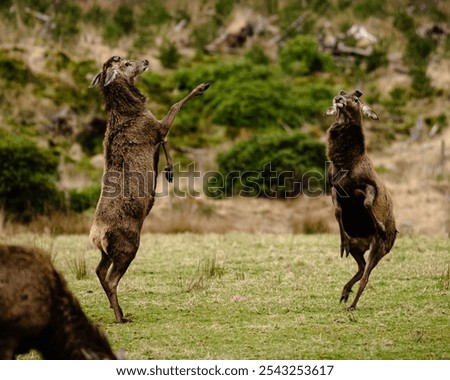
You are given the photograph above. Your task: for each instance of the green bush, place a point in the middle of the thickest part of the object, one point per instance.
(301, 56)
(154, 13)
(418, 50)
(124, 18)
(276, 165)
(312, 99)
(244, 95)
(224, 7)
(421, 83)
(121, 24)
(257, 103)
(168, 55)
(111, 33)
(27, 179)
(67, 16)
(203, 34)
(270, 7)
(377, 59)
(398, 98)
(366, 8)
(256, 55)
(404, 22)
(95, 15)
(343, 4)
(13, 71)
(417, 55)
(81, 200)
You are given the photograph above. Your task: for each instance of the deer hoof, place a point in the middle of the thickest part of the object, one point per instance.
(201, 88)
(168, 173)
(345, 247)
(124, 320)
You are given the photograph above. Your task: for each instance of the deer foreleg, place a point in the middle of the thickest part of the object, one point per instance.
(167, 121)
(369, 197)
(168, 171)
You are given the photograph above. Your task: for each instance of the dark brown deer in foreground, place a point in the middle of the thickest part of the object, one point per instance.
(131, 150)
(362, 203)
(37, 311)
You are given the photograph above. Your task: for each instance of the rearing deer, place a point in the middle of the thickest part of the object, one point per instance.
(362, 203)
(131, 150)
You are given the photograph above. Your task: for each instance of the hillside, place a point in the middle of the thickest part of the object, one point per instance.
(274, 66)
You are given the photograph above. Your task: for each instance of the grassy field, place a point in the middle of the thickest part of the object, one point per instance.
(248, 296)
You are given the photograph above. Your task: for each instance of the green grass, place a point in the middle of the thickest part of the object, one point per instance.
(266, 297)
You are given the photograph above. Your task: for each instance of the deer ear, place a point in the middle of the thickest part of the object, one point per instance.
(369, 113)
(330, 112)
(111, 74)
(96, 80)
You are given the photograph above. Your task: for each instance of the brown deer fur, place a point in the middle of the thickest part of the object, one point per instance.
(362, 203)
(39, 312)
(131, 150)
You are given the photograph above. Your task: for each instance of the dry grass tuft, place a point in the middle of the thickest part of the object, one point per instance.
(77, 266)
(207, 269)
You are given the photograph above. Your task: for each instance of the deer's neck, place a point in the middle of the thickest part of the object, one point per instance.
(346, 145)
(123, 100)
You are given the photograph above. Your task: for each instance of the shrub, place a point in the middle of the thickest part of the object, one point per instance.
(154, 13)
(367, 8)
(421, 83)
(404, 22)
(377, 59)
(27, 179)
(397, 100)
(301, 56)
(168, 55)
(257, 103)
(275, 165)
(67, 15)
(95, 15)
(224, 7)
(80, 200)
(13, 71)
(124, 18)
(203, 34)
(343, 5)
(418, 50)
(257, 56)
(270, 7)
(244, 95)
(311, 99)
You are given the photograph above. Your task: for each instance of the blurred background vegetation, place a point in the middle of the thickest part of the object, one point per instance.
(274, 65)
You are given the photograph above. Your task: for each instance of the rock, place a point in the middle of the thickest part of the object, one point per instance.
(98, 161)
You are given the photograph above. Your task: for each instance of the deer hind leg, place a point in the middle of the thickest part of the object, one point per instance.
(167, 121)
(375, 255)
(369, 197)
(358, 255)
(102, 271)
(117, 271)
